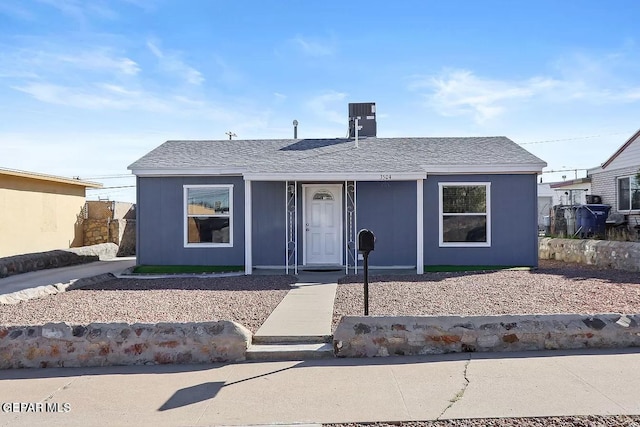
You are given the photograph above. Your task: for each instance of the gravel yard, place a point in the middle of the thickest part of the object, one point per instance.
(555, 287)
(247, 300)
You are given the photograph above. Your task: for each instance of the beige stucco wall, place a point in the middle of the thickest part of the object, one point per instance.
(38, 215)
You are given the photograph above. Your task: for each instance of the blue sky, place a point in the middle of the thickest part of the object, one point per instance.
(87, 87)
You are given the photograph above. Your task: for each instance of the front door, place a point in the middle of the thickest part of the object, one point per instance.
(322, 224)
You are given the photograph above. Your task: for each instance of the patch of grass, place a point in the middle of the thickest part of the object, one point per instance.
(459, 268)
(186, 269)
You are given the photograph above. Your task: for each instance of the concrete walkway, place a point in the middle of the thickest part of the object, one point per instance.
(34, 279)
(471, 385)
(305, 312)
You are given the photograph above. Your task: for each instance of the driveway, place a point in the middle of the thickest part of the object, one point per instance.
(52, 276)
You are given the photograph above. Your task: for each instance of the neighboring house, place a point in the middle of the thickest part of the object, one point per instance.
(291, 203)
(39, 212)
(573, 192)
(615, 181)
(545, 203)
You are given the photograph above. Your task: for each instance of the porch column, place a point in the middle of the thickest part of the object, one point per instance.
(248, 263)
(420, 226)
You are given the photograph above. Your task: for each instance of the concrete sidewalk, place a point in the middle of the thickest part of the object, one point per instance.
(52, 276)
(306, 310)
(470, 385)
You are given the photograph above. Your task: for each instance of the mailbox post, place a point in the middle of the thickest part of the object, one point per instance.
(366, 243)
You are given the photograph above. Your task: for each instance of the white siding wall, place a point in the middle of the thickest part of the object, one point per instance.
(605, 184)
(630, 157)
(576, 191)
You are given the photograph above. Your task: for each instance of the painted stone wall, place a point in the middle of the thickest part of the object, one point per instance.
(601, 253)
(63, 345)
(375, 336)
(111, 222)
(53, 259)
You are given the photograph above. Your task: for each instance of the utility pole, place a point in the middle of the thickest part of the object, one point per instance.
(231, 135)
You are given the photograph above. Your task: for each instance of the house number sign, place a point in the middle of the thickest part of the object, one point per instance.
(385, 177)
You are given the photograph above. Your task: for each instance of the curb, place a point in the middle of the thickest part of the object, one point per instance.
(43, 291)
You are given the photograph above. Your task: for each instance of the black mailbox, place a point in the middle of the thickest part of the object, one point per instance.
(366, 240)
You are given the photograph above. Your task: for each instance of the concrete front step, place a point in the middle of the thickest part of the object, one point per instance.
(289, 351)
(293, 339)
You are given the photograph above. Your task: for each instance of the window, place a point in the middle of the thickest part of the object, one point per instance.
(628, 193)
(323, 195)
(208, 215)
(465, 214)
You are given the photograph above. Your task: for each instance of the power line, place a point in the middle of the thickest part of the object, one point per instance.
(109, 188)
(566, 170)
(109, 176)
(574, 139)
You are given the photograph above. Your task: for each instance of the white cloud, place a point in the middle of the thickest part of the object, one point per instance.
(94, 97)
(314, 47)
(171, 62)
(579, 78)
(81, 10)
(100, 60)
(65, 62)
(329, 106)
(15, 9)
(461, 92)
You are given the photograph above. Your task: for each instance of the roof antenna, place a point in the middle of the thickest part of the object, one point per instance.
(230, 134)
(295, 129)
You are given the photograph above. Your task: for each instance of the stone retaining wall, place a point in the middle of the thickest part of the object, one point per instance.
(96, 344)
(122, 232)
(59, 258)
(601, 253)
(372, 336)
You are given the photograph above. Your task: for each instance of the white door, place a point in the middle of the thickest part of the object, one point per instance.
(322, 224)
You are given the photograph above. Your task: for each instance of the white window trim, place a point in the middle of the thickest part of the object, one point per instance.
(627, 211)
(185, 190)
(441, 241)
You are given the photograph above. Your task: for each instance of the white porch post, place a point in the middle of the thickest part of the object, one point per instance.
(248, 263)
(420, 226)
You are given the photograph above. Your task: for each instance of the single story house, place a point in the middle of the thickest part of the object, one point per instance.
(615, 180)
(299, 203)
(40, 212)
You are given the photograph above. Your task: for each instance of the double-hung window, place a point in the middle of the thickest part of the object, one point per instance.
(208, 211)
(465, 214)
(628, 193)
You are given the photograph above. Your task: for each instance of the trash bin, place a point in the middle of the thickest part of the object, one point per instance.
(591, 220)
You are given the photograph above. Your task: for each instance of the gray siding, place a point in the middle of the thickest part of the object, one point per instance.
(388, 209)
(268, 234)
(514, 239)
(161, 223)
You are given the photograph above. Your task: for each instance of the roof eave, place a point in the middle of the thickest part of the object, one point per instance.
(335, 176)
(621, 149)
(486, 169)
(50, 178)
(158, 172)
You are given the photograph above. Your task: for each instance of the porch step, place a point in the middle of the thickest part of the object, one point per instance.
(289, 351)
(293, 339)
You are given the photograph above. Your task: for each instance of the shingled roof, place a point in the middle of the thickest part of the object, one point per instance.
(339, 156)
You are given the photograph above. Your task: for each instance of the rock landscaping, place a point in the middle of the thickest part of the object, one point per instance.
(63, 345)
(556, 306)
